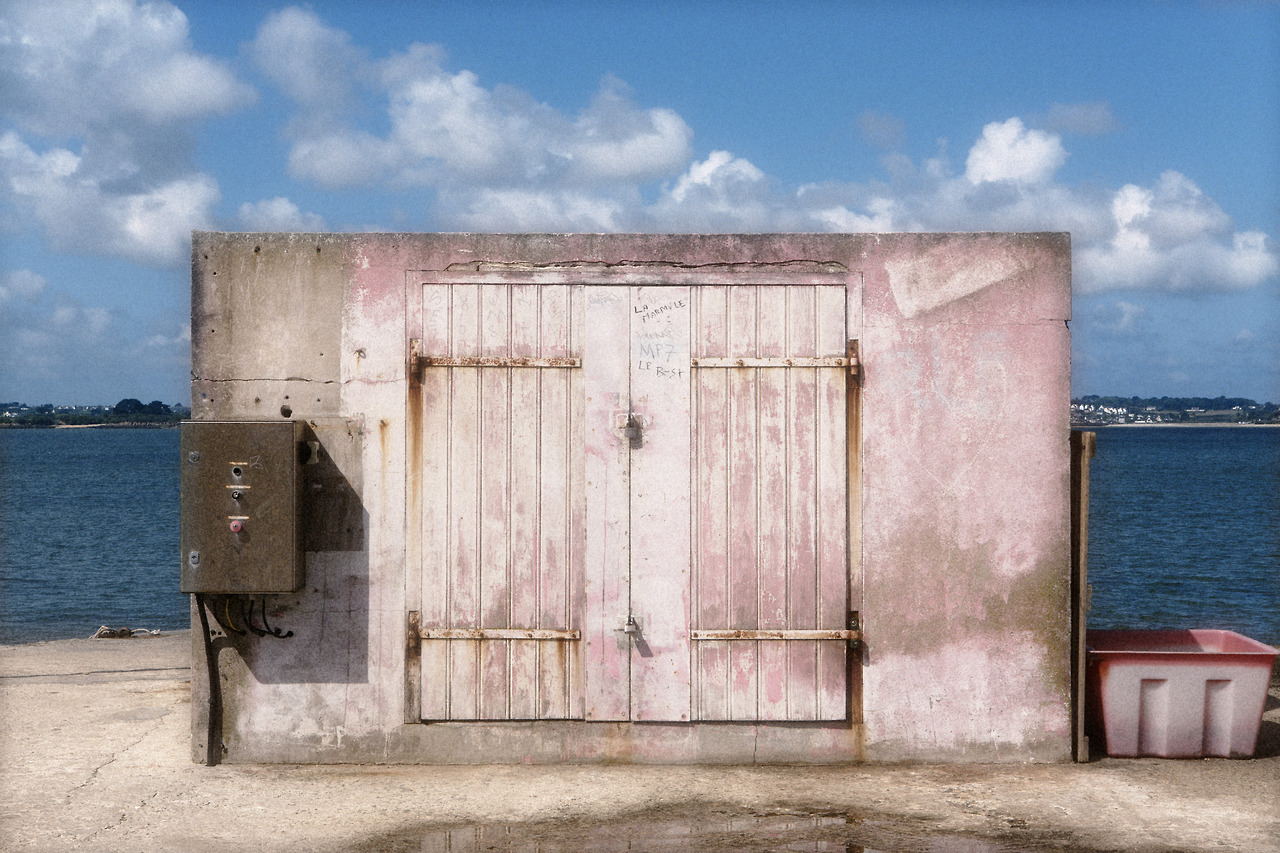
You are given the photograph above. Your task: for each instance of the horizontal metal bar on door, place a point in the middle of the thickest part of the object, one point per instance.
(772, 634)
(496, 361)
(820, 361)
(497, 634)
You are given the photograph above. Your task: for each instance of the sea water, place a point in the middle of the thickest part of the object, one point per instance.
(1184, 531)
(88, 532)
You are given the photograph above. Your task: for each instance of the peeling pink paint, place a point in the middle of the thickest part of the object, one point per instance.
(690, 507)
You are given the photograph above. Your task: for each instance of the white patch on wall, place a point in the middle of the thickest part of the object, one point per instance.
(931, 279)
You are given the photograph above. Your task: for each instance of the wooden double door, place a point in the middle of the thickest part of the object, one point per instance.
(632, 501)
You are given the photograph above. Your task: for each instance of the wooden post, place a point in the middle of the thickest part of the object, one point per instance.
(1083, 446)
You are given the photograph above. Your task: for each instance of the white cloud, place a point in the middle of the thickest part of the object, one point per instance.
(50, 334)
(932, 197)
(313, 64)
(724, 193)
(452, 124)
(75, 66)
(119, 179)
(50, 339)
(340, 159)
(721, 175)
(1179, 211)
(157, 224)
(102, 97)
(448, 130)
(182, 338)
(1125, 317)
(612, 141)
(77, 213)
(278, 214)
(1168, 236)
(1173, 237)
(21, 284)
(495, 158)
(879, 217)
(1008, 151)
(88, 322)
(514, 210)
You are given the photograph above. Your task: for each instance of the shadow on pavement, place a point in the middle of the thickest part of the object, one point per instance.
(704, 829)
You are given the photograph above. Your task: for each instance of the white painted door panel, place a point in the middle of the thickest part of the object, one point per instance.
(503, 503)
(659, 481)
(608, 511)
(769, 506)
(660, 503)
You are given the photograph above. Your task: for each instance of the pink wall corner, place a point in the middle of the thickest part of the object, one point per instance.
(968, 278)
(966, 505)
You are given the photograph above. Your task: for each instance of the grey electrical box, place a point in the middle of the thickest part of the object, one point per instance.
(240, 494)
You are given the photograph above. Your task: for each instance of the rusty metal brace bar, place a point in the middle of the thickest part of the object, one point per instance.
(498, 634)
(774, 634)
(495, 361)
(792, 361)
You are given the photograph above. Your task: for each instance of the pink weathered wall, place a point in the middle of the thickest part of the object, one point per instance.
(961, 562)
(965, 472)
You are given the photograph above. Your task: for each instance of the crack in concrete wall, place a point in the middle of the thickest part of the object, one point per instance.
(794, 264)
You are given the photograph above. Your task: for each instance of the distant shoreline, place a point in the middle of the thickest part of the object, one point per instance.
(104, 425)
(1173, 426)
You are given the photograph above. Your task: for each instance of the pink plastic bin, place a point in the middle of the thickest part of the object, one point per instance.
(1178, 694)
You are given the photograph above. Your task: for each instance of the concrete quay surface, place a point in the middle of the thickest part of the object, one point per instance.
(94, 756)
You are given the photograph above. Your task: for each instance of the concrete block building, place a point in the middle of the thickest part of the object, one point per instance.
(790, 498)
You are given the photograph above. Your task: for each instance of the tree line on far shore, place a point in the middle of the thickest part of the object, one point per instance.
(1175, 404)
(128, 411)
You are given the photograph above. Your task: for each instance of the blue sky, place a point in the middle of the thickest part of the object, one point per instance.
(1151, 131)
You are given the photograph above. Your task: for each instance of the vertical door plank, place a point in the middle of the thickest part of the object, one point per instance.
(464, 505)
(525, 474)
(605, 376)
(551, 432)
(710, 462)
(743, 506)
(771, 466)
(495, 492)
(434, 441)
(802, 536)
(833, 488)
(575, 532)
(660, 503)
